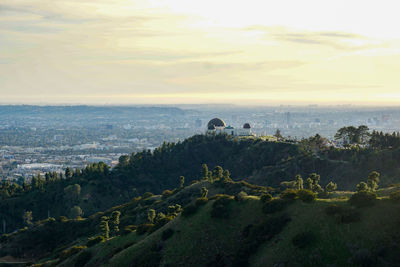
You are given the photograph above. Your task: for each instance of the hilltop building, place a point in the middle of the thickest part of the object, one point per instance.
(218, 126)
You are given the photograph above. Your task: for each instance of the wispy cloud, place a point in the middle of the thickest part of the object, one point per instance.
(337, 40)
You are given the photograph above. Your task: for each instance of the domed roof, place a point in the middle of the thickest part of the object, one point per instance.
(217, 122)
(246, 126)
(211, 127)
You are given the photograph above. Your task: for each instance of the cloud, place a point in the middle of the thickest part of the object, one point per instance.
(337, 40)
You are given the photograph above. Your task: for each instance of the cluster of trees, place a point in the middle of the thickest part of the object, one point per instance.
(361, 136)
(311, 183)
(112, 221)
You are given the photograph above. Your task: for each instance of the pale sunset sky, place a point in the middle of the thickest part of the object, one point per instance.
(182, 51)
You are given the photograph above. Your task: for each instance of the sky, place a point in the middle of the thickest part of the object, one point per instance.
(179, 51)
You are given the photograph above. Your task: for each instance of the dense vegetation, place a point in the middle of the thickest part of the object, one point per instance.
(268, 163)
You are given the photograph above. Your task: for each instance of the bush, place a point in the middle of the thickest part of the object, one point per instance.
(363, 199)
(95, 240)
(220, 208)
(144, 228)
(289, 194)
(305, 239)
(166, 234)
(166, 194)
(275, 206)
(266, 197)
(83, 258)
(189, 210)
(240, 196)
(306, 195)
(201, 201)
(147, 195)
(395, 196)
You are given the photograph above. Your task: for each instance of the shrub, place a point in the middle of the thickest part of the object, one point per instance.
(201, 201)
(275, 206)
(166, 194)
(166, 234)
(289, 194)
(306, 195)
(147, 195)
(363, 199)
(83, 258)
(144, 228)
(305, 239)
(220, 208)
(240, 196)
(395, 196)
(95, 240)
(266, 197)
(219, 196)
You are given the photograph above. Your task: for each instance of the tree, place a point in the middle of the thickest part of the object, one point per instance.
(298, 182)
(68, 173)
(27, 217)
(115, 220)
(226, 176)
(204, 192)
(151, 215)
(72, 192)
(217, 173)
(204, 172)
(373, 180)
(75, 212)
(309, 183)
(105, 229)
(330, 187)
(181, 181)
(123, 161)
(278, 134)
(362, 187)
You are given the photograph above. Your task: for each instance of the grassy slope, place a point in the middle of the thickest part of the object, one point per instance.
(200, 240)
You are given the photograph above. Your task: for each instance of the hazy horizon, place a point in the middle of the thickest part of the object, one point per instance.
(178, 52)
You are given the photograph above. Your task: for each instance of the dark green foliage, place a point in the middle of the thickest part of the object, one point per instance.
(275, 205)
(144, 228)
(83, 258)
(129, 229)
(289, 194)
(266, 197)
(115, 221)
(104, 227)
(166, 193)
(363, 199)
(256, 235)
(305, 239)
(167, 233)
(220, 207)
(95, 240)
(240, 196)
(306, 195)
(201, 201)
(395, 196)
(147, 195)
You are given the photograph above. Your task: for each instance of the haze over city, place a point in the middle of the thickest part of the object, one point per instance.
(169, 52)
